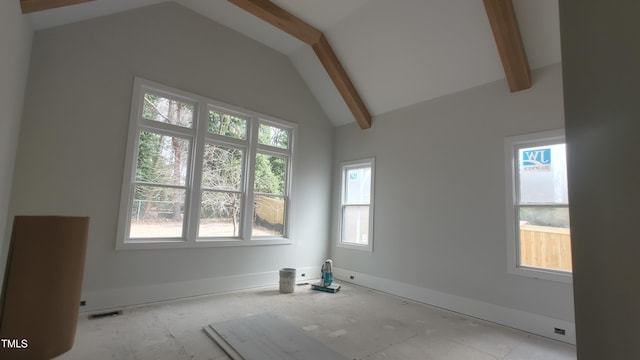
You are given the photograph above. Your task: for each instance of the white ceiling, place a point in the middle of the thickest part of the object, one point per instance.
(397, 53)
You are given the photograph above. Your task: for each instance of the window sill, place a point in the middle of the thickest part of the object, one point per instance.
(149, 244)
(355, 246)
(542, 274)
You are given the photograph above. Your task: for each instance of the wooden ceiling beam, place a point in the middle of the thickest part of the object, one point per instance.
(341, 80)
(506, 33)
(29, 6)
(292, 25)
(280, 18)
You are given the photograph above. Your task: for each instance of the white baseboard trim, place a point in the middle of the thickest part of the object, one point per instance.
(138, 295)
(521, 320)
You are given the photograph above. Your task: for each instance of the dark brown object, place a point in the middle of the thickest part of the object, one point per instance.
(42, 288)
(29, 6)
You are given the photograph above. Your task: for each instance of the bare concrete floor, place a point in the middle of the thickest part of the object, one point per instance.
(356, 322)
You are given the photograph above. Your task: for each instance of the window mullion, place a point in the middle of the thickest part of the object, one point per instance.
(195, 194)
(250, 178)
(270, 150)
(164, 129)
(537, 205)
(168, 186)
(515, 162)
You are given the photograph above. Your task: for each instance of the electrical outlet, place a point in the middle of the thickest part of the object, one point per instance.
(303, 275)
(352, 277)
(559, 331)
(83, 302)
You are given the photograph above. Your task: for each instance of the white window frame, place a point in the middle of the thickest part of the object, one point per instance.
(511, 146)
(198, 135)
(344, 167)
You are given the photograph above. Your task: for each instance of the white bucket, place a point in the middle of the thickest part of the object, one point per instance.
(287, 280)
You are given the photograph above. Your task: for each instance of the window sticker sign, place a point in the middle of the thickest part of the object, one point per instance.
(538, 160)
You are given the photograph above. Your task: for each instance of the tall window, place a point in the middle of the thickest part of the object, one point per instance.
(203, 173)
(539, 238)
(356, 222)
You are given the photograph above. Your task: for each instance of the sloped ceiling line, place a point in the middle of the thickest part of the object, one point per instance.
(289, 23)
(538, 26)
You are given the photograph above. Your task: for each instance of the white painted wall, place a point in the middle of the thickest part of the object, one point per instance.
(15, 41)
(601, 53)
(72, 145)
(440, 192)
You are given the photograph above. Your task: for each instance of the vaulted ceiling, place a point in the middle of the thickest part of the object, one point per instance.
(395, 53)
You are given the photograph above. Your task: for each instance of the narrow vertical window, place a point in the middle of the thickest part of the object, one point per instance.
(161, 168)
(538, 206)
(356, 222)
(271, 193)
(221, 197)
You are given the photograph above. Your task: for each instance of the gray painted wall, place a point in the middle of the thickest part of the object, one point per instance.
(601, 53)
(440, 193)
(440, 221)
(15, 41)
(72, 143)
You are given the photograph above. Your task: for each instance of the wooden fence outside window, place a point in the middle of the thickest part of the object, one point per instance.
(545, 247)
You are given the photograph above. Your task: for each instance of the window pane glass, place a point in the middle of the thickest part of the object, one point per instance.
(162, 159)
(170, 111)
(358, 186)
(220, 214)
(222, 167)
(544, 216)
(157, 212)
(545, 239)
(268, 216)
(543, 175)
(227, 125)
(273, 136)
(270, 174)
(355, 222)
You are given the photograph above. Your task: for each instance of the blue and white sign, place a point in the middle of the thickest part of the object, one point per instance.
(536, 160)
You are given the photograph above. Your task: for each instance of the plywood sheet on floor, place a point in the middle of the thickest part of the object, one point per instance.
(265, 337)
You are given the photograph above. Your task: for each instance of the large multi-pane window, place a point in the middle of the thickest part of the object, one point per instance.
(202, 173)
(538, 206)
(356, 221)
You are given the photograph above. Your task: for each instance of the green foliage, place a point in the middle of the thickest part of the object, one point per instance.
(163, 160)
(150, 112)
(270, 174)
(271, 170)
(543, 216)
(227, 125)
(273, 136)
(170, 111)
(148, 149)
